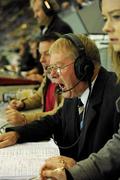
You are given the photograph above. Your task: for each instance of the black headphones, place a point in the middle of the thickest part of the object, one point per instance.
(50, 7)
(83, 67)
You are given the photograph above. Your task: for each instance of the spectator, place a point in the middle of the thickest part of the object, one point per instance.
(46, 13)
(26, 61)
(37, 72)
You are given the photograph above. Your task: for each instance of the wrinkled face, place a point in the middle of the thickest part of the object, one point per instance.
(39, 13)
(62, 73)
(111, 15)
(44, 47)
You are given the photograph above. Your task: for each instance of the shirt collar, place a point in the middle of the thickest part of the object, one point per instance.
(44, 29)
(84, 96)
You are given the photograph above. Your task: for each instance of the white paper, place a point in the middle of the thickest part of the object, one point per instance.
(2, 115)
(25, 160)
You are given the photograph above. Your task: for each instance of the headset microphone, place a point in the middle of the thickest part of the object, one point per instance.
(60, 91)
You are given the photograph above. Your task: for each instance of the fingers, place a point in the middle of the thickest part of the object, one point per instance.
(53, 163)
(13, 104)
(54, 167)
(58, 174)
(59, 161)
(4, 144)
(11, 114)
(14, 117)
(35, 77)
(8, 139)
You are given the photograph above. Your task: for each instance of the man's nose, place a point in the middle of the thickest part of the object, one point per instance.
(54, 74)
(42, 59)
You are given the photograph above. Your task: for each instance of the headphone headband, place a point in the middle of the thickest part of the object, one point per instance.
(83, 67)
(76, 42)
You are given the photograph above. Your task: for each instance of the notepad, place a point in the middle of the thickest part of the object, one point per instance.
(25, 160)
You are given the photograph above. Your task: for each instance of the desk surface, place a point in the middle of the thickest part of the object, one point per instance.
(16, 81)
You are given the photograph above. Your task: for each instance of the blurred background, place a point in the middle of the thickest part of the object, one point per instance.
(16, 21)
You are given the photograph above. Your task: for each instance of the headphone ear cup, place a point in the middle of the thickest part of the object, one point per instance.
(84, 69)
(50, 7)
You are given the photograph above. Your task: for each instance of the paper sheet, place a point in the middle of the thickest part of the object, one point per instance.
(25, 160)
(2, 114)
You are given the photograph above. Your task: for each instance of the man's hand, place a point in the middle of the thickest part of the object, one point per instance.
(8, 139)
(55, 167)
(15, 117)
(35, 77)
(16, 104)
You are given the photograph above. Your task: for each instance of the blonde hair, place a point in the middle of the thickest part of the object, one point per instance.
(64, 45)
(115, 61)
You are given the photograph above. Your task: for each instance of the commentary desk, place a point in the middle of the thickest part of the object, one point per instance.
(23, 161)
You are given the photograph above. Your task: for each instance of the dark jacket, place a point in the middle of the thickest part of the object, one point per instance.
(101, 121)
(103, 165)
(58, 25)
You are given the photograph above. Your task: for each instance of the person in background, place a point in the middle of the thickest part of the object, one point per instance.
(78, 128)
(37, 72)
(3, 61)
(26, 60)
(46, 13)
(65, 4)
(45, 97)
(105, 164)
(78, 4)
